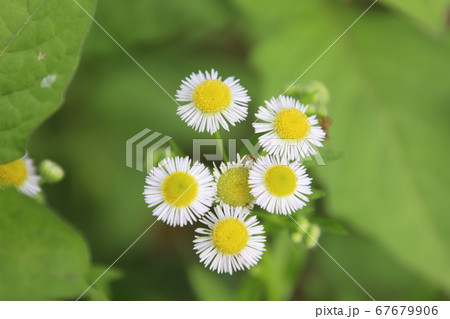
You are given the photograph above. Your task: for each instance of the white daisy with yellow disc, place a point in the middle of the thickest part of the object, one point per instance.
(279, 186)
(20, 174)
(211, 102)
(232, 240)
(232, 182)
(179, 192)
(289, 133)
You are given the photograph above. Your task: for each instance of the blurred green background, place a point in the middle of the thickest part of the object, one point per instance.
(389, 80)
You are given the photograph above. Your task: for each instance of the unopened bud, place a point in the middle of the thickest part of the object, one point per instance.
(314, 92)
(303, 223)
(297, 237)
(313, 238)
(50, 172)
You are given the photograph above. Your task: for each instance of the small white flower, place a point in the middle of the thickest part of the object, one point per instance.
(211, 102)
(180, 193)
(289, 133)
(231, 241)
(21, 174)
(278, 185)
(232, 182)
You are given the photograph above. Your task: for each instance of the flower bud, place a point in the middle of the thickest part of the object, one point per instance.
(50, 172)
(313, 238)
(297, 237)
(314, 94)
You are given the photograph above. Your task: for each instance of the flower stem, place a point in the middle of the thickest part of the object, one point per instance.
(222, 148)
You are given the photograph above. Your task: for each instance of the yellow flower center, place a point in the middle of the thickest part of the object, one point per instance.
(180, 189)
(233, 188)
(292, 123)
(212, 96)
(13, 173)
(280, 180)
(230, 236)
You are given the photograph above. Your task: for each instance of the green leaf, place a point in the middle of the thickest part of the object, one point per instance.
(430, 14)
(281, 266)
(274, 222)
(329, 225)
(39, 48)
(101, 291)
(209, 285)
(316, 194)
(251, 289)
(389, 84)
(41, 257)
(371, 265)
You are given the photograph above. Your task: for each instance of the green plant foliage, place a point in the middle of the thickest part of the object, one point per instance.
(380, 273)
(316, 194)
(431, 14)
(329, 225)
(39, 49)
(41, 257)
(157, 21)
(274, 278)
(208, 285)
(281, 266)
(101, 291)
(390, 111)
(385, 177)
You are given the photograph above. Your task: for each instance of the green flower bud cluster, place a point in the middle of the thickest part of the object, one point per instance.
(306, 228)
(314, 94)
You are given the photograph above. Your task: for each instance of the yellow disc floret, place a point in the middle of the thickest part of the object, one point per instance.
(230, 236)
(291, 123)
(13, 173)
(280, 180)
(180, 189)
(233, 188)
(212, 96)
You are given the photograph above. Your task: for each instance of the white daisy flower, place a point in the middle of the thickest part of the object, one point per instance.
(289, 132)
(212, 102)
(232, 182)
(279, 186)
(179, 191)
(21, 174)
(231, 241)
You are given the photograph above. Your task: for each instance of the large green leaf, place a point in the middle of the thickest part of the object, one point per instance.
(39, 48)
(431, 14)
(389, 86)
(41, 257)
(376, 270)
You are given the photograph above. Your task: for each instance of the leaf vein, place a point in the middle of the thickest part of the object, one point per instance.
(30, 16)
